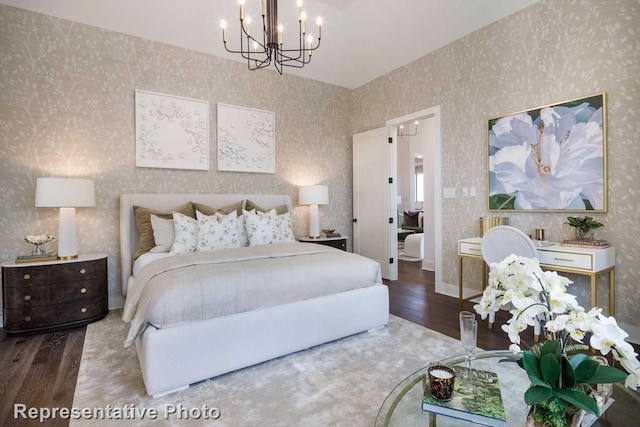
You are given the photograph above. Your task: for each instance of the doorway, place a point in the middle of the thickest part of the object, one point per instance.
(426, 143)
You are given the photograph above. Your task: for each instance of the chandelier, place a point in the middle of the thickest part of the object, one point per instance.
(261, 47)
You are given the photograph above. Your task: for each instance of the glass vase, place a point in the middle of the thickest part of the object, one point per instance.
(582, 234)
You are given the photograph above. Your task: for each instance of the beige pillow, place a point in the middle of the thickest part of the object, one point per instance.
(225, 210)
(146, 242)
(280, 210)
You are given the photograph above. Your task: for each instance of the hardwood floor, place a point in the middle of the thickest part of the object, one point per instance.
(41, 371)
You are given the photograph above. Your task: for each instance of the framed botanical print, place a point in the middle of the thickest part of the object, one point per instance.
(550, 158)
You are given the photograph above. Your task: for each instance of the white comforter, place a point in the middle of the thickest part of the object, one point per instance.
(204, 285)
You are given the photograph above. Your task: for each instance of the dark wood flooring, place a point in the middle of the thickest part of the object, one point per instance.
(40, 371)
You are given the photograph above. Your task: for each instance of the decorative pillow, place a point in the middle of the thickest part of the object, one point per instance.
(143, 225)
(410, 219)
(186, 230)
(284, 225)
(217, 232)
(262, 228)
(163, 233)
(243, 239)
(279, 209)
(225, 210)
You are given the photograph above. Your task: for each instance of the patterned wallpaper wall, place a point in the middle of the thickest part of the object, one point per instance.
(552, 51)
(67, 109)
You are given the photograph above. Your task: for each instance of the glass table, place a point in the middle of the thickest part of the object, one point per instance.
(402, 407)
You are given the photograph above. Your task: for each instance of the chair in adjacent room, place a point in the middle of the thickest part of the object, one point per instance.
(500, 242)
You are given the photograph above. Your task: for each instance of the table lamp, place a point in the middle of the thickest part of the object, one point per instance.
(66, 194)
(313, 195)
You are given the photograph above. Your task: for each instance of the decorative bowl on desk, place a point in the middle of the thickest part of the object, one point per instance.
(328, 231)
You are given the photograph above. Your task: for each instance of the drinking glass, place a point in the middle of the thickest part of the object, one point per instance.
(469, 337)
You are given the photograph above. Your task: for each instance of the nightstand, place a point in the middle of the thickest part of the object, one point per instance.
(54, 295)
(335, 242)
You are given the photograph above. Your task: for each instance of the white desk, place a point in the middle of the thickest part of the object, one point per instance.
(585, 261)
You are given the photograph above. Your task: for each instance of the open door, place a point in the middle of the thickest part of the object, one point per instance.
(374, 208)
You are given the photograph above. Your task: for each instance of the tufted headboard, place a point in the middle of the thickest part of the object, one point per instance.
(166, 202)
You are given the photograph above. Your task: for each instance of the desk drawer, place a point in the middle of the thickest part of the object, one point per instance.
(579, 261)
(467, 248)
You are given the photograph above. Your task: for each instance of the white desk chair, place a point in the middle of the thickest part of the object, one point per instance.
(502, 241)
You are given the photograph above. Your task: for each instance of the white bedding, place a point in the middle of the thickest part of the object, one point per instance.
(145, 259)
(204, 285)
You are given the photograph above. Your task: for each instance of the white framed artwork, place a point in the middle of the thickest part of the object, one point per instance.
(246, 139)
(171, 131)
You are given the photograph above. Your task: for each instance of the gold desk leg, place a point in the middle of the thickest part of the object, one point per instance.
(612, 292)
(460, 296)
(432, 419)
(594, 294)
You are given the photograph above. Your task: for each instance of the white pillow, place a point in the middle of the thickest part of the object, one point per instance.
(284, 224)
(217, 232)
(163, 233)
(261, 228)
(243, 239)
(186, 234)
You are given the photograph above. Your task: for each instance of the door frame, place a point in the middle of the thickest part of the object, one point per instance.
(392, 124)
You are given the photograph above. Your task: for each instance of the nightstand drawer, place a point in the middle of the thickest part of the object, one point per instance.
(469, 248)
(29, 318)
(566, 259)
(36, 296)
(54, 273)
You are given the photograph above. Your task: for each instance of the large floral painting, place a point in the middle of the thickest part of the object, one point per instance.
(551, 158)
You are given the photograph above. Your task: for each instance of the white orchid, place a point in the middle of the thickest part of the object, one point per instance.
(38, 239)
(538, 297)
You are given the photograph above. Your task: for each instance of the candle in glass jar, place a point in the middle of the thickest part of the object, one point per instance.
(440, 373)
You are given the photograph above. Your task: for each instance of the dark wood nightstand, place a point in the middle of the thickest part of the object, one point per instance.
(54, 295)
(335, 242)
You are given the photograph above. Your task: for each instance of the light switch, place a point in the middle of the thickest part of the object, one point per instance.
(449, 192)
(472, 191)
(465, 192)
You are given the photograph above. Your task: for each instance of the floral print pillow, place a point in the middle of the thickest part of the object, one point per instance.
(186, 234)
(217, 231)
(262, 228)
(285, 228)
(242, 232)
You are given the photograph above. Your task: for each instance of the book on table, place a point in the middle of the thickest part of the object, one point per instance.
(51, 256)
(595, 244)
(476, 399)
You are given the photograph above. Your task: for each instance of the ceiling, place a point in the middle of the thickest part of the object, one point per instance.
(361, 39)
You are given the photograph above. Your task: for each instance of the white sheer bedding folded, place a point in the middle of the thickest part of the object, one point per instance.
(145, 259)
(204, 285)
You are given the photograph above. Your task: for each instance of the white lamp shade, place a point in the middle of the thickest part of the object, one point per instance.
(65, 193)
(313, 195)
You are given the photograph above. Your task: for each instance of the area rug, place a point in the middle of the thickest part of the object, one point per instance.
(342, 383)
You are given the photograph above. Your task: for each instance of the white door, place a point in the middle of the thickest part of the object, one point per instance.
(374, 215)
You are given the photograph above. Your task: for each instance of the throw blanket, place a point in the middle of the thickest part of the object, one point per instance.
(204, 285)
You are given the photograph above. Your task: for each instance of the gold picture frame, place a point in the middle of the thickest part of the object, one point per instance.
(551, 158)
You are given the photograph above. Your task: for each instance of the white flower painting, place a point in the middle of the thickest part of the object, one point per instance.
(171, 132)
(246, 139)
(550, 158)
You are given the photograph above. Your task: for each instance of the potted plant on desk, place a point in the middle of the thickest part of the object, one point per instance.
(584, 226)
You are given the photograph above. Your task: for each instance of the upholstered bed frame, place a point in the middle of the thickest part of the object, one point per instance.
(173, 358)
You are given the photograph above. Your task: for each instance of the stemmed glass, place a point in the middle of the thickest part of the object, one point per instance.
(468, 337)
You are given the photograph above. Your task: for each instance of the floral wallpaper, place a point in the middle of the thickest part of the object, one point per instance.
(67, 109)
(552, 51)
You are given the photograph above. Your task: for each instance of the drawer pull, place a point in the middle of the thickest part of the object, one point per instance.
(83, 290)
(83, 271)
(83, 310)
(474, 250)
(564, 259)
(27, 297)
(27, 319)
(27, 276)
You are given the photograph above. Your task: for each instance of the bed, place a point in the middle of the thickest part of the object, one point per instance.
(173, 356)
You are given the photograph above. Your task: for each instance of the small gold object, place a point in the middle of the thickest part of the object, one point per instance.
(328, 230)
(83, 290)
(27, 319)
(83, 309)
(27, 276)
(83, 271)
(27, 297)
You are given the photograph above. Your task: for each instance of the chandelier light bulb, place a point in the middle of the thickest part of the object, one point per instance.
(248, 19)
(303, 16)
(223, 24)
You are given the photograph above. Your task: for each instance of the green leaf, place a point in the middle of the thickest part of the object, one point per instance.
(536, 394)
(607, 374)
(501, 202)
(577, 359)
(551, 347)
(531, 365)
(586, 369)
(568, 374)
(550, 368)
(577, 399)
